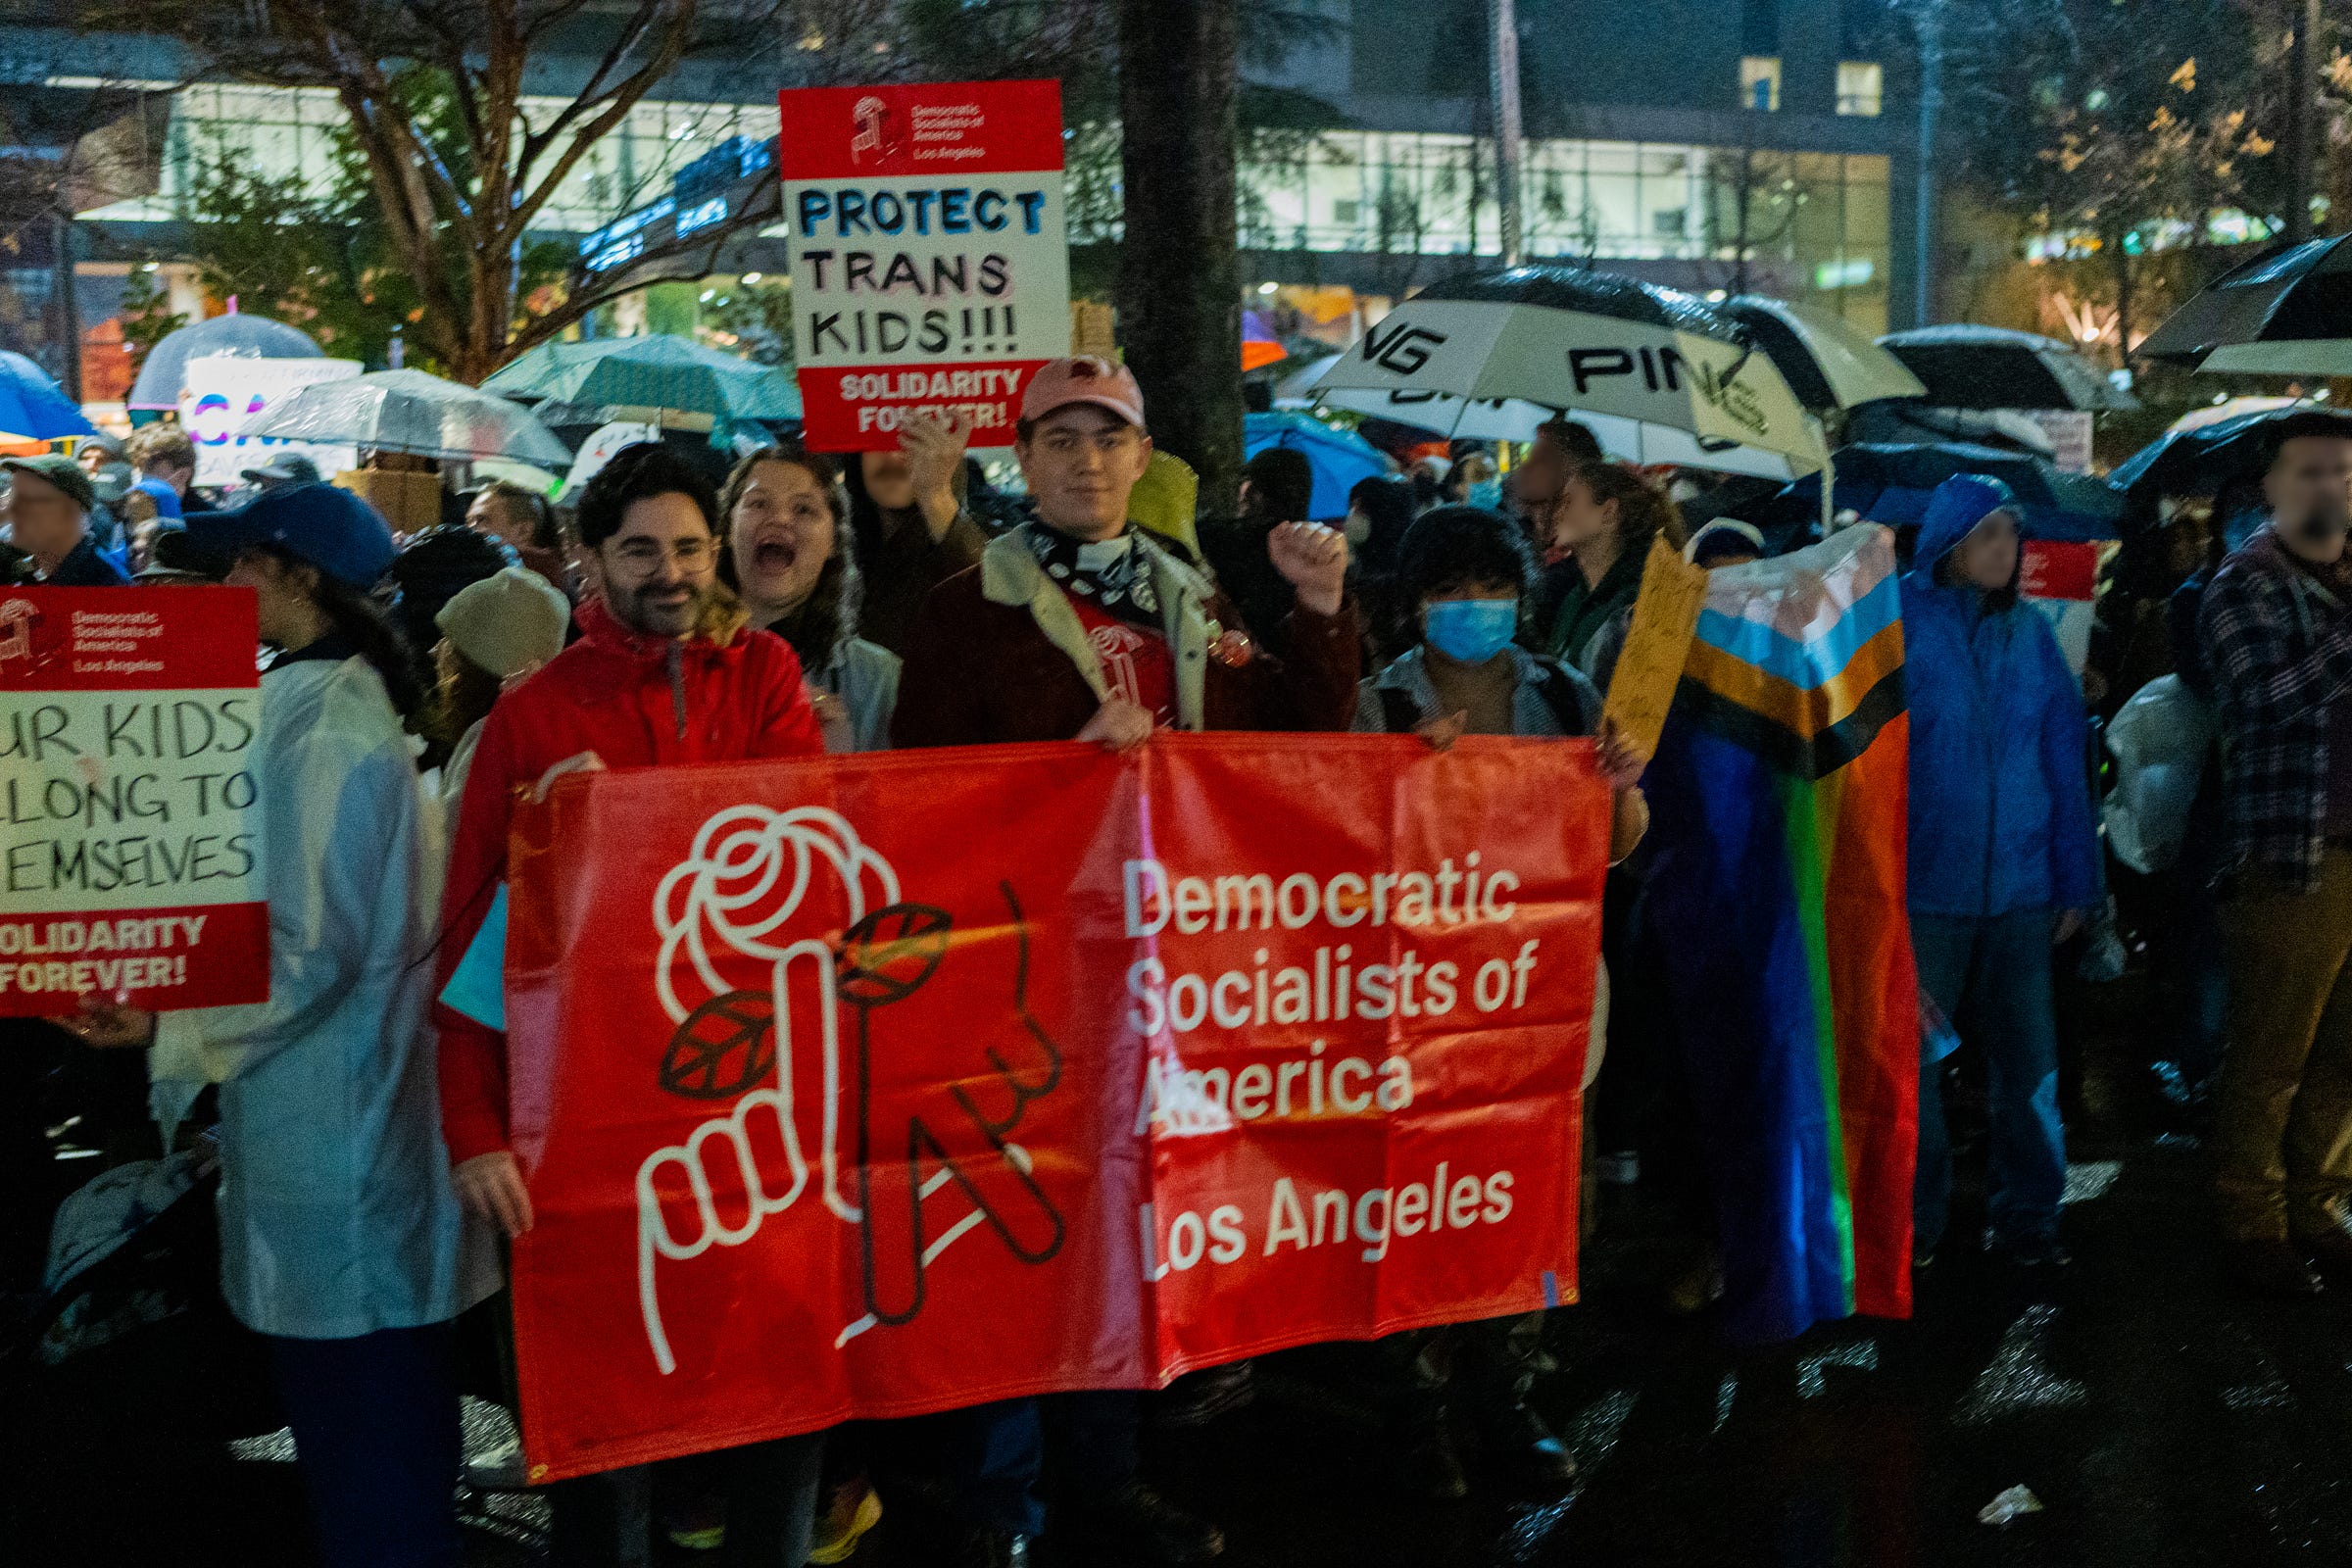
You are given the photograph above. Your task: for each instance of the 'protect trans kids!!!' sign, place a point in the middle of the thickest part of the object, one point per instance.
(930, 270)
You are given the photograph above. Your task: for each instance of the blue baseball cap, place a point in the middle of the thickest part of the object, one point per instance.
(318, 524)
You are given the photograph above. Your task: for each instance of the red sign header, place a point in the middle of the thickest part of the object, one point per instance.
(115, 639)
(920, 128)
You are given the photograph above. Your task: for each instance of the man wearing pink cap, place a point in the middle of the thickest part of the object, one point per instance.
(1147, 640)
(1078, 625)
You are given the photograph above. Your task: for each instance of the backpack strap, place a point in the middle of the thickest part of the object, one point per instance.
(1399, 714)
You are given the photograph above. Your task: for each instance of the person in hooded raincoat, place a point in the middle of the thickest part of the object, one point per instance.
(2004, 851)
(340, 1232)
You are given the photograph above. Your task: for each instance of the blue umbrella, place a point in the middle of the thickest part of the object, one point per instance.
(1891, 484)
(34, 407)
(1339, 459)
(255, 337)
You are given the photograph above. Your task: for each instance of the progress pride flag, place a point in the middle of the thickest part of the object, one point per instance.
(875, 1084)
(930, 268)
(130, 835)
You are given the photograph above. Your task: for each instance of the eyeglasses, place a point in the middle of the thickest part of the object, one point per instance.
(644, 555)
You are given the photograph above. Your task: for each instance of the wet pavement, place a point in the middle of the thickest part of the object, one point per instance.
(2157, 1417)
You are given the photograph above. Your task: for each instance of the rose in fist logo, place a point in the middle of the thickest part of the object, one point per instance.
(735, 896)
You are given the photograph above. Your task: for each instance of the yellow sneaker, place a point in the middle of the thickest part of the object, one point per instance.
(854, 1508)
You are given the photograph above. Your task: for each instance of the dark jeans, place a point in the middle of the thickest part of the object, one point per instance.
(996, 1453)
(1991, 977)
(375, 1433)
(1480, 1371)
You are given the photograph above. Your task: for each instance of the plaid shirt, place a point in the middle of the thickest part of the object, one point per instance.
(2280, 646)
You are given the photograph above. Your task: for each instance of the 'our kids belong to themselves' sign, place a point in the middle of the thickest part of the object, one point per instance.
(930, 271)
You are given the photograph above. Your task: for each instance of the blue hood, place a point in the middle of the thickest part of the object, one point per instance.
(1958, 505)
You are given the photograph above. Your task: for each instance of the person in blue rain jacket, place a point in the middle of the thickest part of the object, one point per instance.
(2004, 852)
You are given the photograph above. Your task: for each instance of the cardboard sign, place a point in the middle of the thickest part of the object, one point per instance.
(131, 851)
(832, 1109)
(930, 268)
(224, 391)
(1649, 667)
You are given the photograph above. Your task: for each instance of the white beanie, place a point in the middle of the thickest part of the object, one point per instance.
(509, 622)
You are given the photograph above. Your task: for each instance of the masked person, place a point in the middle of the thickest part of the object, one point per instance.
(2005, 853)
(1077, 625)
(665, 671)
(788, 554)
(2277, 629)
(909, 524)
(339, 1231)
(1466, 573)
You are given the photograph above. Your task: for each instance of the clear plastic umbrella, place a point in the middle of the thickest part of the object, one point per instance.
(165, 371)
(409, 410)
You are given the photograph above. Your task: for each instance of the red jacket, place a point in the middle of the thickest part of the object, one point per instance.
(723, 696)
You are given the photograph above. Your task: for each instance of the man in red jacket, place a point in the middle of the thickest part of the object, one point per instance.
(665, 671)
(1078, 626)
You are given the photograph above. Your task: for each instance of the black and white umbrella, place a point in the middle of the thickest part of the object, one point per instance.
(1660, 377)
(2287, 311)
(1828, 364)
(1993, 368)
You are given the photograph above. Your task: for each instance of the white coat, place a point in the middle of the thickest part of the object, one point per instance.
(337, 1217)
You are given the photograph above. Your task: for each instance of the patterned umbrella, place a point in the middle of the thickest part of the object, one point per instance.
(650, 373)
(34, 407)
(1478, 353)
(256, 337)
(409, 410)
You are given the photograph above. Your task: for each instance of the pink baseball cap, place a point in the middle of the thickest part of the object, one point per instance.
(1087, 378)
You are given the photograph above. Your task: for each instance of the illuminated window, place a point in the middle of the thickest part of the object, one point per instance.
(1861, 86)
(1761, 83)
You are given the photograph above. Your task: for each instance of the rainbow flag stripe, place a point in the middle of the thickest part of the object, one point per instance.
(1776, 901)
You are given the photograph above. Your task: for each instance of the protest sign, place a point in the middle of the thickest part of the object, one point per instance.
(225, 391)
(2060, 577)
(130, 852)
(930, 270)
(1649, 666)
(833, 1109)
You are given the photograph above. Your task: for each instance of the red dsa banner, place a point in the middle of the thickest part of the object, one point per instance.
(131, 840)
(886, 1084)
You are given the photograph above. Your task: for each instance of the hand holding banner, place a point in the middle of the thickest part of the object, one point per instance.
(830, 1112)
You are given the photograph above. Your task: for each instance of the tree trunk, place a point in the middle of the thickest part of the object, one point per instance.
(1180, 285)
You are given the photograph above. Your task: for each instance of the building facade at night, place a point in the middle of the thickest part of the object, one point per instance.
(1716, 147)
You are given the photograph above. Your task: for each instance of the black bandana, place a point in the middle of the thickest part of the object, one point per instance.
(1111, 574)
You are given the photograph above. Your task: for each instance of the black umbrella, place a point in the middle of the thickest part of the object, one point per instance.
(1992, 368)
(2287, 311)
(2201, 459)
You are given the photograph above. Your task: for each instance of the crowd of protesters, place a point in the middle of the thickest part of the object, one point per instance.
(418, 688)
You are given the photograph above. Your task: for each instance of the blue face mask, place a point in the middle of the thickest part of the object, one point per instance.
(1471, 631)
